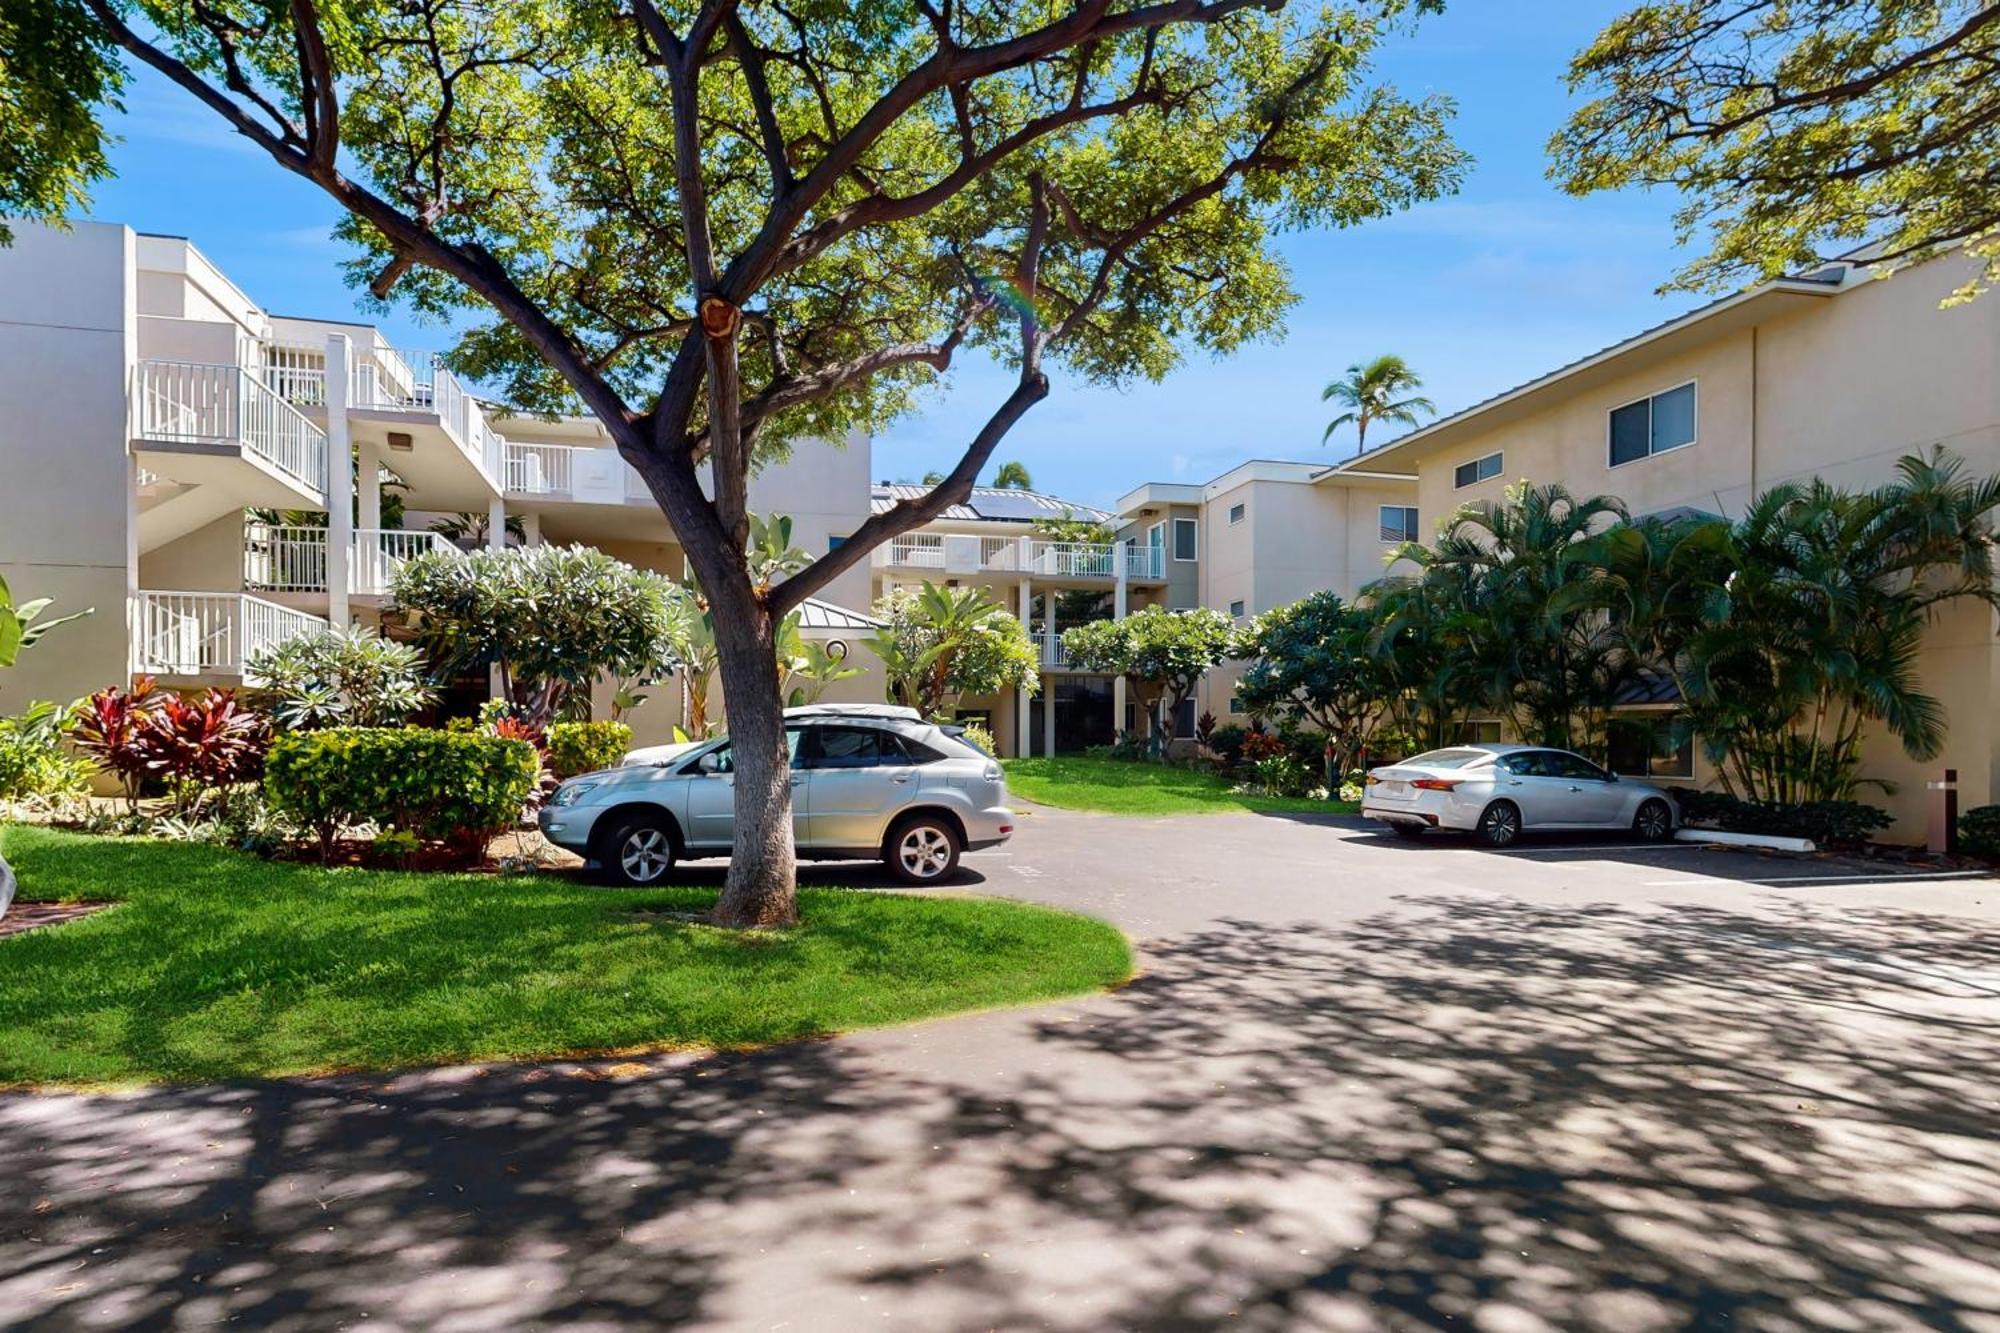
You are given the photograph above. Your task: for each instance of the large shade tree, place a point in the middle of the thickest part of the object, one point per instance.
(1799, 127)
(719, 226)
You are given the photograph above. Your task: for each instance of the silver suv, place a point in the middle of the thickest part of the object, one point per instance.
(868, 782)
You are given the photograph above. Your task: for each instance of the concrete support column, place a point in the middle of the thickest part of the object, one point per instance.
(496, 540)
(339, 483)
(1120, 607)
(1048, 678)
(368, 476)
(1023, 718)
(531, 527)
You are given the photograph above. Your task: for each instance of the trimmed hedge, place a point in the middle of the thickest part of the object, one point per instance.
(1979, 832)
(1826, 823)
(440, 786)
(585, 747)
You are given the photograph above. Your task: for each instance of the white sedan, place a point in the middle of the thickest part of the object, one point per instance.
(1498, 791)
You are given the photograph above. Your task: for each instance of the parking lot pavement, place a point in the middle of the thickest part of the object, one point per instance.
(1358, 1083)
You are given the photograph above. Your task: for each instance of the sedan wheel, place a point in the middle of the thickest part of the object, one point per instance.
(923, 851)
(1500, 826)
(638, 854)
(1654, 822)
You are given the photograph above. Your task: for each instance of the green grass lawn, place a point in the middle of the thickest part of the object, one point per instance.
(1122, 787)
(217, 965)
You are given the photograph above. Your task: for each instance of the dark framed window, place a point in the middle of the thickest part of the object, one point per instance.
(1480, 731)
(1399, 523)
(1184, 719)
(1478, 470)
(1187, 539)
(1653, 425)
(1650, 747)
(1236, 610)
(1235, 704)
(834, 543)
(1235, 515)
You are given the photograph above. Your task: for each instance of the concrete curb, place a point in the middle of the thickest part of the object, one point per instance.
(1769, 840)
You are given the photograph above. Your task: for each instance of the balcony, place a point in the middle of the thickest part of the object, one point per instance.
(394, 381)
(574, 472)
(293, 559)
(200, 411)
(209, 634)
(965, 553)
(1049, 648)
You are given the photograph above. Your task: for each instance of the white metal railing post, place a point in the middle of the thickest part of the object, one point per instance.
(1120, 601)
(339, 481)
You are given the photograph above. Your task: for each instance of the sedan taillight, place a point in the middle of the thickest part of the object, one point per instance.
(1436, 784)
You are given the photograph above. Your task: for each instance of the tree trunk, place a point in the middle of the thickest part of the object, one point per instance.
(761, 889)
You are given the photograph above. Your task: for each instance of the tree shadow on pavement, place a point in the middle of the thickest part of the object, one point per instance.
(1470, 1113)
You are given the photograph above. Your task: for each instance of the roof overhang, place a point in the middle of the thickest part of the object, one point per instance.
(1715, 320)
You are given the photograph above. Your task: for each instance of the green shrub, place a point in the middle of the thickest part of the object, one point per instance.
(1130, 746)
(1227, 742)
(1283, 775)
(1979, 832)
(441, 786)
(33, 763)
(1826, 823)
(585, 747)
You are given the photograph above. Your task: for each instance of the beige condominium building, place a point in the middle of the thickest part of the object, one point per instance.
(1835, 374)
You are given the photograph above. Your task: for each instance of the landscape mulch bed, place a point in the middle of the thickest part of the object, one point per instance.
(32, 916)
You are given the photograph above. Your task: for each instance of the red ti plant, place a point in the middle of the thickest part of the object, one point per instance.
(212, 741)
(189, 744)
(111, 727)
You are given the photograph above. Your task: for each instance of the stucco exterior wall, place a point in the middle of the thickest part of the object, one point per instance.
(66, 352)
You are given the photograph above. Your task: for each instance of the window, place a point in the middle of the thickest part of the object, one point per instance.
(1236, 610)
(1184, 719)
(1574, 768)
(1480, 731)
(1187, 535)
(1652, 425)
(1399, 523)
(1656, 747)
(856, 747)
(1235, 705)
(1478, 470)
(1156, 537)
(1235, 515)
(720, 760)
(834, 543)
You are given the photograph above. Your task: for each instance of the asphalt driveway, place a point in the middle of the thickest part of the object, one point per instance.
(1360, 1084)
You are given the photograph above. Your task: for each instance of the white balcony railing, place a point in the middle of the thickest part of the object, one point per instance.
(293, 559)
(1049, 647)
(388, 379)
(209, 633)
(573, 472)
(956, 552)
(190, 402)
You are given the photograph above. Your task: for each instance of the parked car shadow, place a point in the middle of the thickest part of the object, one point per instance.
(1469, 1113)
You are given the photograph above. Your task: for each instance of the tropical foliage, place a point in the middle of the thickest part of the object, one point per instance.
(341, 677)
(1798, 128)
(1368, 392)
(940, 643)
(552, 618)
(19, 623)
(1013, 476)
(1782, 637)
(585, 747)
(453, 788)
(1162, 654)
(192, 745)
(1312, 663)
(33, 762)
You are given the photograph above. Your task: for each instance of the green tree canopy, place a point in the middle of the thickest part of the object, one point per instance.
(551, 617)
(941, 643)
(1797, 128)
(719, 226)
(1313, 662)
(1013, 476)
(1163, 654)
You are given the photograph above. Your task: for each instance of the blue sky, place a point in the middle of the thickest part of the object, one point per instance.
(1479, 292)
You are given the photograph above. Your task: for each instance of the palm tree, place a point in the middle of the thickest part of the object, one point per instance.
(1369, 394)
(1012, 477)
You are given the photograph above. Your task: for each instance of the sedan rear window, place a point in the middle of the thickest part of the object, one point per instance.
(1450, 758)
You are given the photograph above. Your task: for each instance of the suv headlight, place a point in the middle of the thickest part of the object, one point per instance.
(571, 792)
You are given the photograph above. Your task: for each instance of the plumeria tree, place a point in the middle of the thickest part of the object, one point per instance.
(938, 643)
(1162, 654)
(1312, 663)
(719, 226)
